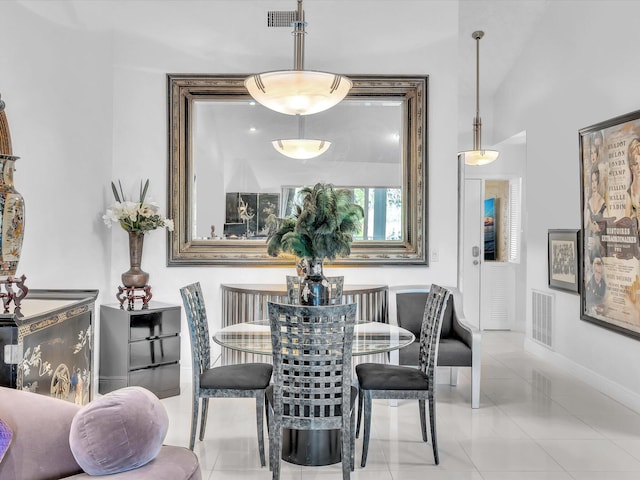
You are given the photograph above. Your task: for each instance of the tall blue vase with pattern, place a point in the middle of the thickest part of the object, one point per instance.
(11, 217)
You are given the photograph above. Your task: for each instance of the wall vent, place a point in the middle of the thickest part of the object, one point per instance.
(542, 324)
(280, 18)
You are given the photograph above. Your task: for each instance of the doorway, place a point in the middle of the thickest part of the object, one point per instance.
(494, 291)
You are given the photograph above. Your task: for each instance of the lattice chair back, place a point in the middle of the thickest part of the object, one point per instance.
(198, 328)
(336, 285)
(431, 328)
(312, 374)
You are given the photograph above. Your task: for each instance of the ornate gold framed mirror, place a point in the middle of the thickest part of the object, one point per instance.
(226, 179)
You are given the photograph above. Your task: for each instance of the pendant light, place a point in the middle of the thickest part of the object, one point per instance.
(298, 91)
(478, 156)
(301, 148)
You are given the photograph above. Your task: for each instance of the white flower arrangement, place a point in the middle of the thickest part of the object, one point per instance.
(138, 217)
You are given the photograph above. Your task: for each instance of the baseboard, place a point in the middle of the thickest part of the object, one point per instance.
(614, 390)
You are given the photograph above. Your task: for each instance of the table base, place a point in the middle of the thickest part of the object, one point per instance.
(311, 447)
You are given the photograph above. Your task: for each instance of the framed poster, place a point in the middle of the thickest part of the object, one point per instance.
(610, 201)
(563, 260)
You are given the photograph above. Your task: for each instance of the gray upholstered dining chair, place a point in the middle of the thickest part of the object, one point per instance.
(400, 382)
(312, 375)
(336, 285)
(247, 380)
(460, 343)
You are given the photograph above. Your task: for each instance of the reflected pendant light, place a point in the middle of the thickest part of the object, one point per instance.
(298, 91)
(478, 156)
(301, 148)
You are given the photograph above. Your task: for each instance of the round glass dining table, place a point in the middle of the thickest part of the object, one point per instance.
(313, 447)
(368, 337)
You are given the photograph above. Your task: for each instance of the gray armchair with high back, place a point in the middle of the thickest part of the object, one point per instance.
(244, 380)
(460, 343)
(312, 375)
(336, 284)
(377, 380)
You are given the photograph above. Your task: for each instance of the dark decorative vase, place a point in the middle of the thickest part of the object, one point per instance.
(11, 218)
(314, 287)
(135, 276)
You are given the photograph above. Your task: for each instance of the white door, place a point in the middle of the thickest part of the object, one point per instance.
(473, 221)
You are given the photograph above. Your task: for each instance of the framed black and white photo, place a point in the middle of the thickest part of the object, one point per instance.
(563, 260)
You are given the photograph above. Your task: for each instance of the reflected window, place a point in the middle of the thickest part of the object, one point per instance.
(382, 210)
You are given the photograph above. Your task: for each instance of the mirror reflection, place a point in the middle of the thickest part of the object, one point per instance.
(228, 183)
(234, 155)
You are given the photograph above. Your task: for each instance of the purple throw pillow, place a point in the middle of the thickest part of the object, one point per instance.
(6, 434)
(120, 431)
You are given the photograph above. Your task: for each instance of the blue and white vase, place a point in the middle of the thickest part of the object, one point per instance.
(11, 218)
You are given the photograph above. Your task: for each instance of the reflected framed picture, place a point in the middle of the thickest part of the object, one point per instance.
(610, 242)
(564, 260)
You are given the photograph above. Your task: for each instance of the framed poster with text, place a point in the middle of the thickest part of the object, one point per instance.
(610, 201)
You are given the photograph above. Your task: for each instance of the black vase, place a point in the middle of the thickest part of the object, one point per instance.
(314, 287)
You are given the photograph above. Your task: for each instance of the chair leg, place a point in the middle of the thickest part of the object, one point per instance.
(203, 420)
(367, 427)
(423, 419)
(432, 420)
(352, 441)
(259, 421)
(453, 376)
(275, 450)
(194, 420)
(360, 395)
(475, 387)
(346, 450)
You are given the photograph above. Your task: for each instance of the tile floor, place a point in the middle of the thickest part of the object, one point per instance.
(535, 423)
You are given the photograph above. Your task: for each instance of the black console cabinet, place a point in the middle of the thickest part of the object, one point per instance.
(46, 345)
(140, 347)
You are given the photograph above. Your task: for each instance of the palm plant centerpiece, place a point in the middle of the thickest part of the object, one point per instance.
(321, 227)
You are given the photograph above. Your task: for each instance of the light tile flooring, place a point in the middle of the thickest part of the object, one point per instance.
(535, 423)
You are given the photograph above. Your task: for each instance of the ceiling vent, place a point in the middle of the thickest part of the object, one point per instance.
(278, 18)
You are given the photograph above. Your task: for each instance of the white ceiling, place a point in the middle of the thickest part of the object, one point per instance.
(508, 26)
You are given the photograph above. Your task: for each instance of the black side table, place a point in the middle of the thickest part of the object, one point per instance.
(140, 347)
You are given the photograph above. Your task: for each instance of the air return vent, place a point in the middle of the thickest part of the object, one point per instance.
(281, 18)
(542, 318)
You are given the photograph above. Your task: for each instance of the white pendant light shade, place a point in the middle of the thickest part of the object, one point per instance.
(480, 157)
(301, 148)
(298, 92)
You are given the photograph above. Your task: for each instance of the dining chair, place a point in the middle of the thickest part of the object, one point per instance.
(244, 380)
(460, 343)
(312, 375)
(336, 285)
(388, 382)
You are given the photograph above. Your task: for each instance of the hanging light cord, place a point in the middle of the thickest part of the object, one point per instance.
(299, 33)
(477, 122)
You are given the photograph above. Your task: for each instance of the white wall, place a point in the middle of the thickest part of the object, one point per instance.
(579, 69)
(57, 85)
(87, 105)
